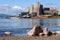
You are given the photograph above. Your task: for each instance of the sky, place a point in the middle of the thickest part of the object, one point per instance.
(26, 3)
(14, 7)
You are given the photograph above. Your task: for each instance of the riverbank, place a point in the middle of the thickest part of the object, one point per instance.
(44, 17)
(53, 37)
(58, 16)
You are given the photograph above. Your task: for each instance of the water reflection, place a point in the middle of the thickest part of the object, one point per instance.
(21, 26)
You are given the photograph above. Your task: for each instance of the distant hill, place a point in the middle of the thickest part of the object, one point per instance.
(4, 15)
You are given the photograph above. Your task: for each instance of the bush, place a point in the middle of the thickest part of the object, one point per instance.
(55, 14)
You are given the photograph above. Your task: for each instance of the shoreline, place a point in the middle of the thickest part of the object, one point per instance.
(53, 37)
(38, 18)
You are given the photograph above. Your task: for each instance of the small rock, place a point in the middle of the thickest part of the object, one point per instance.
(54, 33)
(45, 31)
(49, 33)
(58, 32)
(7, 33)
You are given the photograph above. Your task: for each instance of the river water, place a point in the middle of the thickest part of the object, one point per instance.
(20, 27)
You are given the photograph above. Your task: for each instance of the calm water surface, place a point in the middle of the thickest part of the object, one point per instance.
(20, 27)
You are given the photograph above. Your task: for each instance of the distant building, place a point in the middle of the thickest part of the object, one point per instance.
(38, 8)
(49, 11)
(58, 9)
(46, 8)
(31, 9)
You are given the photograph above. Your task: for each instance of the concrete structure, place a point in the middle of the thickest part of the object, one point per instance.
(58, 9)
(38, 8)
(50, 11)
(31, 9)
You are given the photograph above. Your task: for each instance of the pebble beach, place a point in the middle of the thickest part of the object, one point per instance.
(53, 37)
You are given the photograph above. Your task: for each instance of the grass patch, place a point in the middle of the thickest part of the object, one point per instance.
(58, 16)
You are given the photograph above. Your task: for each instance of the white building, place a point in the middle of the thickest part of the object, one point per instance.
(58, 9)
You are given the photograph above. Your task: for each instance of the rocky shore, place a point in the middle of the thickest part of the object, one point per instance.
(36, 33)
(53, 37)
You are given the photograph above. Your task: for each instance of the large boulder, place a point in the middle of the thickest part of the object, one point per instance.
(35, 31)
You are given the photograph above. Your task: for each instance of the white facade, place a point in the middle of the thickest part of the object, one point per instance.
(58, 9)
(31, 9)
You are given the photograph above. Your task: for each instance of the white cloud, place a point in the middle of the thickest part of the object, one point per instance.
(16, 7)
(8, 9)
